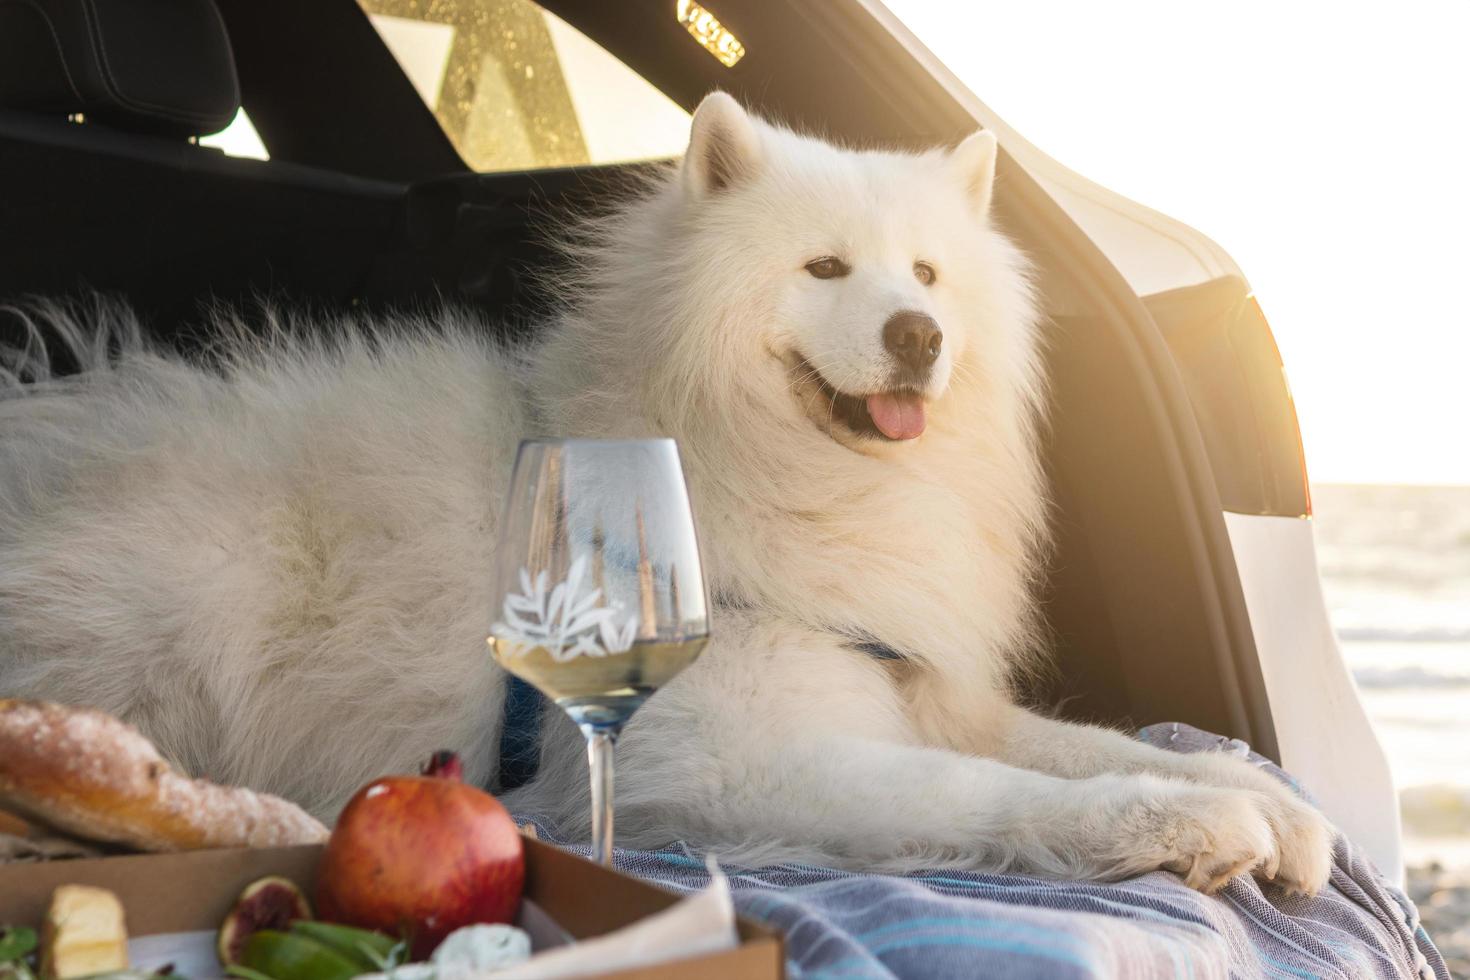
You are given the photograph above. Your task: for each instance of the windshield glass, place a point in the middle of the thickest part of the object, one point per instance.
(517, 88)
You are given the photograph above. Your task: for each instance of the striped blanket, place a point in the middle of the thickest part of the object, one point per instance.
(957, 924)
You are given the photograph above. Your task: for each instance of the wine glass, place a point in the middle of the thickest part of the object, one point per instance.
(599, 589)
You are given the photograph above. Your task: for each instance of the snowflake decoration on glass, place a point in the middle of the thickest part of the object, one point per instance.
(564, 622)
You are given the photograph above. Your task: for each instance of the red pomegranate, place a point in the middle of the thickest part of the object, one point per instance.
(421, 856)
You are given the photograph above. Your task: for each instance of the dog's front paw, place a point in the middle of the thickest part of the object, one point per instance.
(1303, 843)
(1303, 836)
(1205, 834)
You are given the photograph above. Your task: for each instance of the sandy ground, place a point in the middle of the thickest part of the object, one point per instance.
(1443, 897)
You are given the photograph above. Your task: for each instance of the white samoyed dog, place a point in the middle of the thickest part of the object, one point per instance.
(277, 566)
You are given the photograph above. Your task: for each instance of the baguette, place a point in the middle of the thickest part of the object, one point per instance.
(86, 773)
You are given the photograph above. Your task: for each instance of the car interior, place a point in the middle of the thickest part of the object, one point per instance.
(1164, 410)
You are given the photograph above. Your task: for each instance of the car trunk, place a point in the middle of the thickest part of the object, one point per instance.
(361, 209)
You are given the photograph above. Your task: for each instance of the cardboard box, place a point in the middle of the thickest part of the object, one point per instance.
(164, 893)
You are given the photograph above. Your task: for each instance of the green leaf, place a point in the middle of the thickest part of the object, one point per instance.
(15, 942)
(292, 956)
(397, 956)
(245, 973)
(368, 949)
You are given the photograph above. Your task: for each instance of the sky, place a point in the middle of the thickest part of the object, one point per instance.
(1326, 146)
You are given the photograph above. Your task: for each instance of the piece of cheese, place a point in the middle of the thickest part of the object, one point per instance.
(83, 933)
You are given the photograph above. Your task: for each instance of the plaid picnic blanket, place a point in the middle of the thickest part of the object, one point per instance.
(943, 924)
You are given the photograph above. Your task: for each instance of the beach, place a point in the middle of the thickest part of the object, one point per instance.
(1396, 572)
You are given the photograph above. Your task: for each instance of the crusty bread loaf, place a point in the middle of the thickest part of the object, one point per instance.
(89, 774)
(12, 825)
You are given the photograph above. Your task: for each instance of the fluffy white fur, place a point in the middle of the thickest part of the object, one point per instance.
(277, 566)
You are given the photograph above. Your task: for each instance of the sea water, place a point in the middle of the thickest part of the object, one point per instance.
(1396, 571)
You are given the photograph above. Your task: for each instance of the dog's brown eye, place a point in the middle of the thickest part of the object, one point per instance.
(924, 272)
(828, 268)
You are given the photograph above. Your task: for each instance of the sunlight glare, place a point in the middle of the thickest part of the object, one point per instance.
(1322, 145)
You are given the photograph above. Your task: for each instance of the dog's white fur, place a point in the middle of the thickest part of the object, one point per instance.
(279, 570)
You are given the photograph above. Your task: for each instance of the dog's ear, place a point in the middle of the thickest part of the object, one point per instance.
(973, 162)
(724, 147)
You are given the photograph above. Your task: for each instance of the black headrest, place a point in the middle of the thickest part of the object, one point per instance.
(154, 66)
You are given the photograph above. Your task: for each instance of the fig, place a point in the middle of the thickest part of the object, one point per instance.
(270, 903)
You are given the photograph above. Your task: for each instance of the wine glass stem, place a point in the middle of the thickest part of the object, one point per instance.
(600, 742)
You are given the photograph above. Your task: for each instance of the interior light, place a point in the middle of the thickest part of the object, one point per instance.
(709, 32)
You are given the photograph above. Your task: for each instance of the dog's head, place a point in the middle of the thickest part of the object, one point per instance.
(867, 285)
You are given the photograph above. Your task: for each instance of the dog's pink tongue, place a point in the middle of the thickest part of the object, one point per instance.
(897, 416)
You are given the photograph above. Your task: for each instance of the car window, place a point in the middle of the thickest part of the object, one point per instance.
(238, 139)
(517, 88)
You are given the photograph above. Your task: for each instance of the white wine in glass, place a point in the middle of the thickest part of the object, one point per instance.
(599, 587)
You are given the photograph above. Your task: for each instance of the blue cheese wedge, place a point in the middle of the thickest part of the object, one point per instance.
(480, 949)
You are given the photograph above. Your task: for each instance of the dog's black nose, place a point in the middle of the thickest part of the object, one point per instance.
(914, 339)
